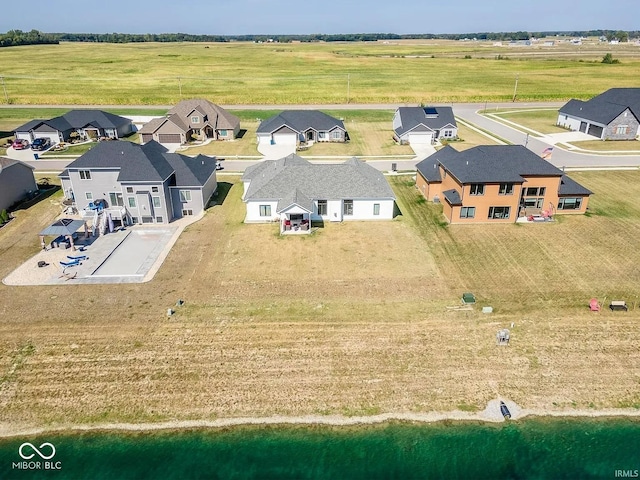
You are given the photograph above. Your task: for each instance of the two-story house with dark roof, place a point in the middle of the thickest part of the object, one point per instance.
(293, 127)
(140, 183)
(86, 124)
(612, 115)
(424, 125)
(497, 184)
(196, 118)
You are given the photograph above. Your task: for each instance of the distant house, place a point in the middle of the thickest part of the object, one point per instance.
(497, 184)
(424, 125)
(191, 119)
(612, 115)
(16, 182)
(293, 127)
(140, 183)
(86, 124)
(295, 192)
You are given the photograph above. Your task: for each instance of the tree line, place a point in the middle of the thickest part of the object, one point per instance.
(34, 37)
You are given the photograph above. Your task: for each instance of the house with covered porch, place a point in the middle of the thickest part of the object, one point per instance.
(295, 127)
(295, 193)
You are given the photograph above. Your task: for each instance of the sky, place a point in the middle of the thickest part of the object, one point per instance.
(237, 17)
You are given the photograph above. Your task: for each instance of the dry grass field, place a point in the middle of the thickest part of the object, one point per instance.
(351, 320)
(539, 120)
(322, 73)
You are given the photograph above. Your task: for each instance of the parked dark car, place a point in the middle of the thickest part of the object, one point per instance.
(41, 144)
(20, 144)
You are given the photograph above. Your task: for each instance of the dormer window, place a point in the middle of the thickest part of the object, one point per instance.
(195, 119)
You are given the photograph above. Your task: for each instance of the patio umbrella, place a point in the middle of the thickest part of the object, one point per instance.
(65, 226)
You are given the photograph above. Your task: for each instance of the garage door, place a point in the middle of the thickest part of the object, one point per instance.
(169, 138)
(24, 136)
(420, 138)
(53, 136)
(147, 137)
(595, 130)
(284, 138)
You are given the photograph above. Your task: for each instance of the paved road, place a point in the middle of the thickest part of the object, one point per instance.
(467, 112)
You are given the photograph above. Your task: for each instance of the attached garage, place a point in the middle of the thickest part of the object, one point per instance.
(595, 130)
(53, 136)
(422, 138)
(147, 137)
(24, 136)
(169, 138)
(285, 136)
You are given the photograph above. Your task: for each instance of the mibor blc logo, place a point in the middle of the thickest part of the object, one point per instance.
(37, 458)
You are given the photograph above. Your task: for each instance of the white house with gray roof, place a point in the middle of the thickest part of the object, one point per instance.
(293, 127)
(424, 125)
(140, 183)
(612, 115)
(295, 193)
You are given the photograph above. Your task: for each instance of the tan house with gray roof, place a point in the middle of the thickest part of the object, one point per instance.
(195, 119)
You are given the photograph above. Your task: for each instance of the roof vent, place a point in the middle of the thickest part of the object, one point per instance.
(121, 153)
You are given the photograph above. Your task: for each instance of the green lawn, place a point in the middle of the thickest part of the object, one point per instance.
(324, 73)
(629, 146)
(539, 120)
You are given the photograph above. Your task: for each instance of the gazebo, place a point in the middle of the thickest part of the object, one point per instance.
(65, 227)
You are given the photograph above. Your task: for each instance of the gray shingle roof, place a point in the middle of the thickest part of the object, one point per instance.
(278, 180)
(146, 163)
(300, 121)
(75, 119)
(569, 187)
(424, 119)
(491, 164)
(453, 197)
(605, 107)
(216, 116)
(295, 197)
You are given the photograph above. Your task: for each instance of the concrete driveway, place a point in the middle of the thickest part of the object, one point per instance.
(422, 151)
(274, 152)
(23, 155)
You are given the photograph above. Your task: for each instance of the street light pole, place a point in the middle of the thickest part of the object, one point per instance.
(348, 87)
(515, 89)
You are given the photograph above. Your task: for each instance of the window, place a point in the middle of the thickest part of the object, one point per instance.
(506, 189)
(347, 207)
(467, 212)
(533, 202)
(336, 135)
(376, 209)
(195, 119)
(622, 129)
(499, 212)
(222, 133)
(147, 219)
(159, 220)
(265, 210)
(129, 189)
(534, 191)
(570, 203)
(116, 199)
(154, 189)
(322, 207)
(185, 195)
(476, 189)
(322, 135)
(448, 133)
(132, 202)
(89, 195)
(85, 174)
(187, 212)
(156, 202)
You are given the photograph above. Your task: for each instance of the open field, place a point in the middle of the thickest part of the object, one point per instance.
(609, 146)
(351, 320)
(323, 73)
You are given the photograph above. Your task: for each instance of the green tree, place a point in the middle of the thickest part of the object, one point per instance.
(4, 217)
(608, 58)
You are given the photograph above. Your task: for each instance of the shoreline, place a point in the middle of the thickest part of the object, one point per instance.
(490, 415)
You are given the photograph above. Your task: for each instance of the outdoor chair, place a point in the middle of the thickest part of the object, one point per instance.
(73, 263)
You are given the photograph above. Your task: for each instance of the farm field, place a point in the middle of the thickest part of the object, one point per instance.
(306, 73)
(351, 320)
(539, 120)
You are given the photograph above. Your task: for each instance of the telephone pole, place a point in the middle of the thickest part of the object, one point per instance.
(515, 89)
(348, 87)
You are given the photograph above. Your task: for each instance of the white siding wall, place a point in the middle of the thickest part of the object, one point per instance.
(363, 210)
(569, 122)
(253, 212)
(334, 210)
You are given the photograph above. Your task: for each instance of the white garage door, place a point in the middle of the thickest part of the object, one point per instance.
(420, 138)
(24, 136)
(284, 138)
(264, 139)
(53, 136)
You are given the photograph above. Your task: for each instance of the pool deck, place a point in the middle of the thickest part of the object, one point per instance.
(136, 262)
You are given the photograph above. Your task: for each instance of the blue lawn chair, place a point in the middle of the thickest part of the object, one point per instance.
(78, 258)
(73, 263)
